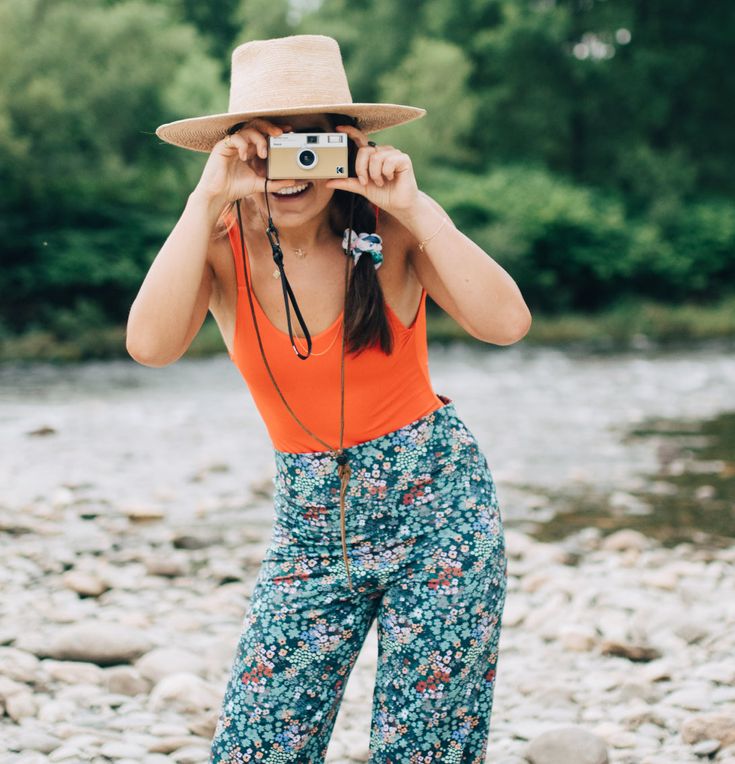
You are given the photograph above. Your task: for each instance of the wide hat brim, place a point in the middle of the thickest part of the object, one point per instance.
(202, 133)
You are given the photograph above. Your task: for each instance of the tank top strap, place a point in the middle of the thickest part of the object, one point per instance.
(233, 232)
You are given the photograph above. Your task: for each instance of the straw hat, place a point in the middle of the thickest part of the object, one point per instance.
(299, 74)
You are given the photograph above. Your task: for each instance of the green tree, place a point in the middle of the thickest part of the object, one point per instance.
(89, 191)
(374, 37)
(433, 75)
(217, 23)
(670, 86)
(263, 19)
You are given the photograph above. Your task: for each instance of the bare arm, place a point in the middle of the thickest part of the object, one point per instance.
(464, 280)
(173, 300)
(458, 275)
(176, 293)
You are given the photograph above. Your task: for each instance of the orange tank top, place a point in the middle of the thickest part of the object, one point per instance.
(382, 392)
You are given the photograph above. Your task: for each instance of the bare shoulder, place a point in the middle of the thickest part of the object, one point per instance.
(420, 269)
(218, 250)
(222, 267)
(400, 283)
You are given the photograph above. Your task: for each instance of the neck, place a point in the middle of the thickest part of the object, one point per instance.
(310, 235)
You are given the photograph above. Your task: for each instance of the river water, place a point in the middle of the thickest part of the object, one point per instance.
(188, 440)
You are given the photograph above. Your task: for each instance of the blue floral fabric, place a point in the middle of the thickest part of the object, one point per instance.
(426, 553)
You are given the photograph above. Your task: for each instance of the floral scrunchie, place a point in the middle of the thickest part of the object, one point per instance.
(370, 243)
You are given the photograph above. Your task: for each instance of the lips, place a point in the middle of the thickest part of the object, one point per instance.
(293, 192)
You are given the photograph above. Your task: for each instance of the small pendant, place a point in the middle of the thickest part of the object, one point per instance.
(300, 252)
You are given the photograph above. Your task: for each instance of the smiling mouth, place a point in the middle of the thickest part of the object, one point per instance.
(292, 192)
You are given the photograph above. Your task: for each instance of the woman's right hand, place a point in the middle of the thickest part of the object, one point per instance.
(237, 170)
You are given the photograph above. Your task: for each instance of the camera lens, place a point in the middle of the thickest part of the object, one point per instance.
(306, 158)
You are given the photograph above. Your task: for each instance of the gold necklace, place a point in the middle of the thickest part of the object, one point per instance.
(326, 350)
(300, 252)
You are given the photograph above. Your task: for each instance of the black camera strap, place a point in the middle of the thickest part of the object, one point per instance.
(288, 294)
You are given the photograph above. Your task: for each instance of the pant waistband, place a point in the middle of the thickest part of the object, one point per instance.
(392, 444)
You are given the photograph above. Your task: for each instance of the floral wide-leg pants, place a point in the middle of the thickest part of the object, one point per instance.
(426, 554)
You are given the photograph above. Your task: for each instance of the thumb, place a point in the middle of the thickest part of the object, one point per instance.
(346, 184)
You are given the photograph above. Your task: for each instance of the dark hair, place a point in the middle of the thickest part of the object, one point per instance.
(366, 321)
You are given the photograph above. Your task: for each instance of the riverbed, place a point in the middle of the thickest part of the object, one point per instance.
(188, 440)
(135, 509)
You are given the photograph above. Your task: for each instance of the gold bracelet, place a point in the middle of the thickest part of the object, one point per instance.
(423, 243)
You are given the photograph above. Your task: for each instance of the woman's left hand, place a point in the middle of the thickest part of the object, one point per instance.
(384, 175)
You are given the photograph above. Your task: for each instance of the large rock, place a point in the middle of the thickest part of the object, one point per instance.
(164, 661)
(517, 543)
(125, 680)
(116, 749)
(73, 672)
(630, 651)
(20, 705)
(567, 745)
(191, 754)
(625, 539)
(174, 742)
(8, 687)
(33, 739)
(105, 644)
(718, 726)
(18, 664)
(184, 693)
(84, 584)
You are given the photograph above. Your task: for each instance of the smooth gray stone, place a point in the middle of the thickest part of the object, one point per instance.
(567, 745)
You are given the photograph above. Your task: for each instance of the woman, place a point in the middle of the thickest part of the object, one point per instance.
(387, 510)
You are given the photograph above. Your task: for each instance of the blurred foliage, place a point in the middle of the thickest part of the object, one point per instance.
(585, 145)
(89, 192)
(574, 247)
(441, 136)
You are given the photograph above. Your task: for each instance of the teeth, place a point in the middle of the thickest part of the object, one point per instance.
(291, 190)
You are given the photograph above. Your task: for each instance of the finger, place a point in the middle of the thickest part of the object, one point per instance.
(257, 129)
(361, 163)
(357, 135)
(246, 149)
(376, 168)
(266, 126)
(253, 135)
(346, 184)
(243, 141)
(389, 165)
(400, 162)
(226, 146)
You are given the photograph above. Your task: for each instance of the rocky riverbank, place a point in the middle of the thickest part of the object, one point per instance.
(135, 508)
(118, 630)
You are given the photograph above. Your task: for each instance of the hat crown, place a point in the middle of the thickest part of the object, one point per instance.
(299, 70)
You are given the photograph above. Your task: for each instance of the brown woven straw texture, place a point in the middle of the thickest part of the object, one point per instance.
(299, 74)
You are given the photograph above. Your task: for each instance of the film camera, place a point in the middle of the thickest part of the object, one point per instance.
(309, 155)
